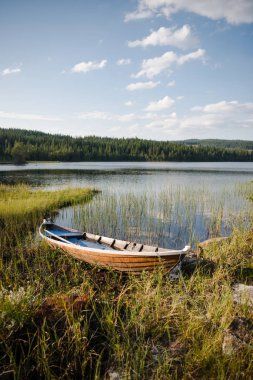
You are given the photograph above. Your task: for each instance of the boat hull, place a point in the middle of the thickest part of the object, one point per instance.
(124, 261)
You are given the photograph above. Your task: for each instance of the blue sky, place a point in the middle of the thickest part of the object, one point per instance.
(156, 69)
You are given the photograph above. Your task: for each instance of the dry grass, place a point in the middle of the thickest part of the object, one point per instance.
(60, 318)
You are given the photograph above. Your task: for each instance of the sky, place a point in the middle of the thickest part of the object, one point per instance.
(153, 69)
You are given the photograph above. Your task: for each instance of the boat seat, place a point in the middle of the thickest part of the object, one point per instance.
(121, 244)
(63, 233)
(149, 248)
(133, 247)
(138, 247)
(89, 244)
(106, 240)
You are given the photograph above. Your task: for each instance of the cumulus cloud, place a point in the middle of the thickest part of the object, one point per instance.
(9, 71)
(139, 14)
(161, 104)
(85, 67)
(181, 38)
(123, 61)
(114, 129)
(154, 66)
(171, 83)
(191, 56)
(210, 118)
(129, 103)
(27, 116)
(100, 115)
(219, 116)
(224, 106)
(142, 85)
(233, 11)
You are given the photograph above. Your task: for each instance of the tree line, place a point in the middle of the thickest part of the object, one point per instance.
(23, 145)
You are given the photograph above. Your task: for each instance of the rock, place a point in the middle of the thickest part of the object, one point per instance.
(204, 244)
(56, 306)
(243, 294)
(177, 349)
(113, 374)
(189, 263)
(238, 336)
(230, 344)
(174, 274)
(212, 241)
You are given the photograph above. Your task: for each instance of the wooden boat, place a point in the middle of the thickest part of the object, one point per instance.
(107, 252)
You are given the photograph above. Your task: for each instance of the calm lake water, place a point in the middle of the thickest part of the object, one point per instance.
(165, 203)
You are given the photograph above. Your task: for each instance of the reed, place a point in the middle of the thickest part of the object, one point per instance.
(172, 217)
(61, 318)
(21, 208)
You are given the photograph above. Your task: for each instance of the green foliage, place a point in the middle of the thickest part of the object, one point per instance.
(45, 147)
(231, 144)
(18, 153)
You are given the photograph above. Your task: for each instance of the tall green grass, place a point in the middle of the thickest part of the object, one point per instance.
(171, 217)
(20, 201)
(61, 318)
(21, 208)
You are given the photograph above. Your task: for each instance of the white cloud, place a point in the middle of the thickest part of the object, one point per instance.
(133, 127)
(191, 56)
(154, 66)
(85, 67)
(223, 113)
(142, 85)
(123, 61)
(129, 103)
(171, 83)
(180, 38)
(9, 71)
(98, 115)
(138, 15)
(219, 116)
(114, 129)
(233, 11)
(215, 119)
(27, 116)
(224, 106)
(164, 123)
(161, 104)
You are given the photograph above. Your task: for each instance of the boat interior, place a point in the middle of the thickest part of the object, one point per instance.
(88, 240)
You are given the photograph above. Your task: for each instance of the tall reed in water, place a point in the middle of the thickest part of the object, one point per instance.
(170, 218)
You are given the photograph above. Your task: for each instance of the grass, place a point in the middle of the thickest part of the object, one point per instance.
(61, 318)
(20, 201)
(172, 217)
(21, 208)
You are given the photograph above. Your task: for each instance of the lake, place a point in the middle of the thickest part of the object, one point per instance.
(164, 203)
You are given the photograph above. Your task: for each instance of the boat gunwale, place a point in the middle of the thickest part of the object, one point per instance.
(114, 253)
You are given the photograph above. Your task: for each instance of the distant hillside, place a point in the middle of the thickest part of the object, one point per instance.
(21, 145)
(231, 144)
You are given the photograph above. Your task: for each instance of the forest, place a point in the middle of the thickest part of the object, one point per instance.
(20, 146)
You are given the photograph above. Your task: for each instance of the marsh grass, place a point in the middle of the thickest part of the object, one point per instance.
(21, 208)
(172, 217)
(61, 318)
